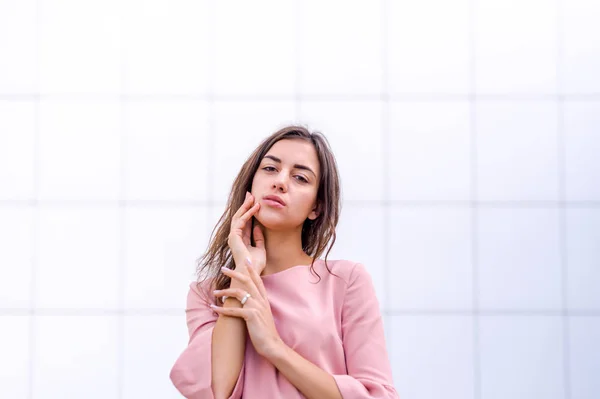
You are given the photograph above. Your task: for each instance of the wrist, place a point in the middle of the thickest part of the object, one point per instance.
(276, 351)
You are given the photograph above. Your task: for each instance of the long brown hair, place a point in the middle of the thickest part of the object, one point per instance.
(316, 234)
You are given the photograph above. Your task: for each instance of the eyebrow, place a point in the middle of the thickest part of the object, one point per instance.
(297, 166)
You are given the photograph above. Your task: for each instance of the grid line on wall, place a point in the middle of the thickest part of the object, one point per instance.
(385, 146)
(303, 97)
(389, 312)
(562, 211)
(35, 209)
(122, 242)
(298, 30)
(211, 108)
(474, 200)
(550, 204)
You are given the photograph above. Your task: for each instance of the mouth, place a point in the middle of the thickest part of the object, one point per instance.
(274, 201)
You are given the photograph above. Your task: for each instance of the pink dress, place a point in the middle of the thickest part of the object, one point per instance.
(336, 324)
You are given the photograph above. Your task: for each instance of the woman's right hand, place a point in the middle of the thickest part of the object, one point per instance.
(239, 236)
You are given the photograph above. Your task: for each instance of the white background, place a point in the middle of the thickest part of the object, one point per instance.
(467, 134)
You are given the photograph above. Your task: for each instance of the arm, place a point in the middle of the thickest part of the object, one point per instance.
(369, 372)
(312, 381)
(228, 348)
(198, 370)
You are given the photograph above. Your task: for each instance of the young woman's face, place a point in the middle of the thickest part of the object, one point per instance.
(290, 171)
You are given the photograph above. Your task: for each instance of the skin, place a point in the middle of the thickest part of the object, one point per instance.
(278, 247)
(282, 227)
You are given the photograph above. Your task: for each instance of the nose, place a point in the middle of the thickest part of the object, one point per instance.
(281, 182)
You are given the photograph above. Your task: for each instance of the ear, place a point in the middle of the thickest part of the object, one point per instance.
(314, 213)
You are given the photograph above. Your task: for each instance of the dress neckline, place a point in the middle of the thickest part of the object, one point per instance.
(296, 267)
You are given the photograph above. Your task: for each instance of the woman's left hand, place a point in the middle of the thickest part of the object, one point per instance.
(256, 311)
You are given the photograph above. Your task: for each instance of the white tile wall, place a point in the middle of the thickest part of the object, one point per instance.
(161, 244)
(515, 46)
(75, 356)
(18, 75)
(581, 59)
(149, 357)
(340, 47)
(17, 231)
(519, 259)
(428, 50)
(241, 67)
(582, 250)
(430, 151)
(164, 146)
(516, 151)
(521, 357)
(78, 149)
(581, 149)
(584, 356)
(17, 149)
(466, 133)
(15, 362)
(77, 265)
(164, 46)
(79, 46)
(430, 258)
(433, 355)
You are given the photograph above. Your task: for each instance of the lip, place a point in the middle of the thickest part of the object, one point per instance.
(274, 200)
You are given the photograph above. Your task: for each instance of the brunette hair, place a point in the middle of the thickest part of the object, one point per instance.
(316, 234)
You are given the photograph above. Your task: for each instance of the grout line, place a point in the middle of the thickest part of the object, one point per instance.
(394, 97)
(385, 145)
(393, 203)
(211, 110)
(594, 313)
(562, 193)
(298, 54)
(36, 210)
(474, 213)
(122, 213)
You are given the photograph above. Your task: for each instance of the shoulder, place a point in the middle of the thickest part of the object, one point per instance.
(348, 270)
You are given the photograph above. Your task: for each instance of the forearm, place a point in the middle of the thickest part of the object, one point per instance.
(312, 381)
(228, 348)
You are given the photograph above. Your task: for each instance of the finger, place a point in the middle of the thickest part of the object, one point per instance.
(244, 278)
(236, 293)
(259, 238)
(248, 201)
(249, 213)
(233, 312)
(246, 233)
(257, 281)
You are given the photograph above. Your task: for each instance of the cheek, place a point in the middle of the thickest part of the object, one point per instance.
(305, 202)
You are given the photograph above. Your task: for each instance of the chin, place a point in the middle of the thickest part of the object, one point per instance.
(274, 222)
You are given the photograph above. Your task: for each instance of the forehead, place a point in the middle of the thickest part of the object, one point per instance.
(292, 151)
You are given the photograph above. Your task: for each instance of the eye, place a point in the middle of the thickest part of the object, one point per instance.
(299, 177)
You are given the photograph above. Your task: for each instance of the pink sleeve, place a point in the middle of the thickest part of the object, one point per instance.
(369, 370)
(192, 372)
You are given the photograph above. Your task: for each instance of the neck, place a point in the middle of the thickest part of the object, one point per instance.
(284, 250)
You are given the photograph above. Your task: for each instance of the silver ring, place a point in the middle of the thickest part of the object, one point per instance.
(245, 298)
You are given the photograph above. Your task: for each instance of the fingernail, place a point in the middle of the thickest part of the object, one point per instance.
(247, 193)
(224, 268)
(248, 261)
(213, 306)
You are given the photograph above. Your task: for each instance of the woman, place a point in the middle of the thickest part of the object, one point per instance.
(264, 326)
